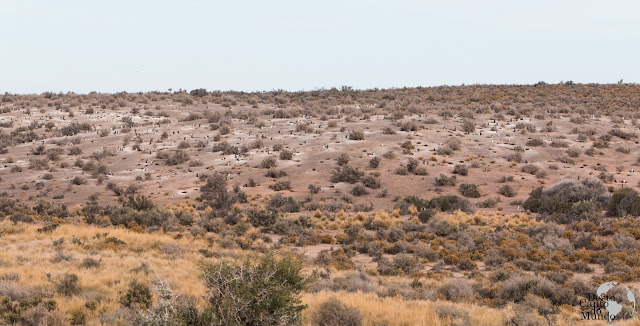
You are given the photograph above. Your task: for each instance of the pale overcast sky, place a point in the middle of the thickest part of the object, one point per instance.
(135, 45)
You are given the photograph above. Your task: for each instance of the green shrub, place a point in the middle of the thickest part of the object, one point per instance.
(260, 218)
(346, 173)
(370, 181)
(425, 215)
(137, 296)
(624, 202)
(450, 203)
(569, 200)
(469, 190)
(263, 292)
(215, 192)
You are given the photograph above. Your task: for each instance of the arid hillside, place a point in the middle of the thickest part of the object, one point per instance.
(466, 205)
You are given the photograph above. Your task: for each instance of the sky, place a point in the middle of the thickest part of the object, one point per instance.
(261, 45)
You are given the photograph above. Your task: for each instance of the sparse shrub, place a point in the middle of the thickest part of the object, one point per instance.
(507, 191)
(261, 218)
(68, 285)
(625, 201)
(468, 126)
(314, 189)
(90, 263)
(75, 151)
(137, 296)
(343, 159)
(281, 185)
(356, 135)
(409, 126)
(514, 157)
(529, 168)
(78, 180)
(469, 190)
(535, 142)
(178, 157)
(460, 169)
(489, 203)
(273, 173)
(268, 162)
(347, 173)
(374, 162)
(337, 259)
(286, 155)
(370, 181)
(444, 180)
(457, 290)
(215, 192)
(335, 313)
(359, 190)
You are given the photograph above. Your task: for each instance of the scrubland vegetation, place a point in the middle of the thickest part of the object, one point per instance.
(474, 205)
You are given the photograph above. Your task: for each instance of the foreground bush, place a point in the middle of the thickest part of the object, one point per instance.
(265, 292)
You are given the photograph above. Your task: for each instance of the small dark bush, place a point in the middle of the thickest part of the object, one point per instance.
(356, 135)
(178, 157)
(374, 162)
(281, 185)
(507, 191)
(359, 190)
(268, 162)
(469, 190)
(460, 169)
(535, 142)
(68, 285)
(444, 180)
(137, 296)
(347, 173)
(286, 154)
(370, 181)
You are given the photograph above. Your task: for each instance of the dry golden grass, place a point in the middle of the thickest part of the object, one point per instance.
(30, 254)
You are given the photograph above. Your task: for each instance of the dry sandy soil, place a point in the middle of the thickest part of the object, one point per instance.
(501, 124)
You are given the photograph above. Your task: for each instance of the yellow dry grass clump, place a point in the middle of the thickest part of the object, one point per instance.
(31, 255)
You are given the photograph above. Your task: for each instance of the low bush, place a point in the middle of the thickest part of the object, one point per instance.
(335, 313)
(137, 296)
(460, 169)
(507, 191)
(444, 180)
(347, 173)
(469, 190)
